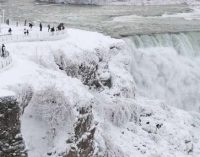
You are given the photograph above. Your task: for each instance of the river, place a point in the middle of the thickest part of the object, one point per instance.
(117, 21)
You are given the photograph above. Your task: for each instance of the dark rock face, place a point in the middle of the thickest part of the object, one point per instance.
(89, 73)
(84, 130)
(11, 141)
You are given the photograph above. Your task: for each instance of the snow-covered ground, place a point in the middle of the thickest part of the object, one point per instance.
(128, 122)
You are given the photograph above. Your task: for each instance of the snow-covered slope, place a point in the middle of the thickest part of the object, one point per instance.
(78, 96)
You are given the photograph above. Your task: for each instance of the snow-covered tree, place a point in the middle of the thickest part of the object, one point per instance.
(51, 105)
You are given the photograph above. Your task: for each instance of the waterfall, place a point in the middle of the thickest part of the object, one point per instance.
(167, 67)
(183, 43)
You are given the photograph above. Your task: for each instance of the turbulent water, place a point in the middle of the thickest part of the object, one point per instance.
(164, 40)
(166, 67)
(187, 44)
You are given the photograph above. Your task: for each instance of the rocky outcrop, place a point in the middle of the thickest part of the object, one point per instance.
(94, 73)
(11, 141)
(82, 144)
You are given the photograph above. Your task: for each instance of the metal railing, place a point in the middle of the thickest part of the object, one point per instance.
(47, 36)
(5, 61)
(41, 36)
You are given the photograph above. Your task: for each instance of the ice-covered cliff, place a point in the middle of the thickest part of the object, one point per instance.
(96, 97)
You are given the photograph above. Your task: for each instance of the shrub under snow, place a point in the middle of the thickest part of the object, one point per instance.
(51, 105)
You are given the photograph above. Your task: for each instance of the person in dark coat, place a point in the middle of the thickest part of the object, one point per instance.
(52, 30)
(3, 49)
(10, 31)
(30, 25)
(40, 26)
(27, 32)
(49, 27)
(25, 23)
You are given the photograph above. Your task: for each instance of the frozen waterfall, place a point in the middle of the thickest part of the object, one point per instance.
(167, 66)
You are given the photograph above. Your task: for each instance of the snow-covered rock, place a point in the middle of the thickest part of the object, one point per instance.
(11, 143)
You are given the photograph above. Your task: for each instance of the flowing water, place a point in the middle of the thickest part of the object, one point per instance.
(187, 44)
(166, 67)
(164, 40)
(113, 20)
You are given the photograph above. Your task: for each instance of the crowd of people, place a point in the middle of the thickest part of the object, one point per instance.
(29, 26)
(49, 28)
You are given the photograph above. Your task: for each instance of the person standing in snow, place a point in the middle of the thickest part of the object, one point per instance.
(3, 48)
(52, 30)
(63, 27)
(25, 31)
(30, 25)
(49, 27)
(10, 31)
(40, 26)
(25, 23)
